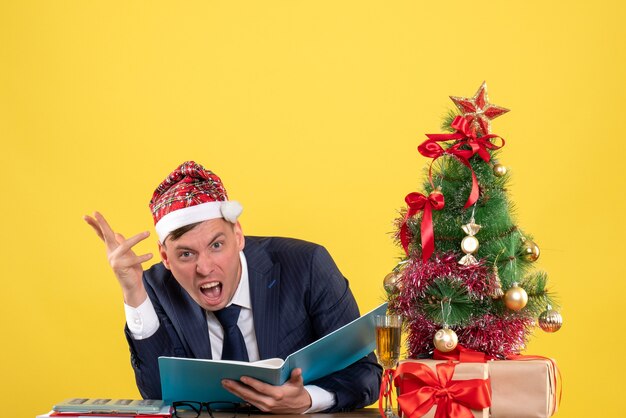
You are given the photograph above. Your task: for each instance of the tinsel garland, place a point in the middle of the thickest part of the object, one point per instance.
(497, 336)
(419, 275)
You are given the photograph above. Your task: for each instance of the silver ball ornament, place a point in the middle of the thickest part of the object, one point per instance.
(391, 281)
(550, 320)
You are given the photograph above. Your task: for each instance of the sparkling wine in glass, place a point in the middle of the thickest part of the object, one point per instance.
(388, 337)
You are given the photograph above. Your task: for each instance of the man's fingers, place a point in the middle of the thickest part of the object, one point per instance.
(129, 243)
(271, 390)
(143, 258)
(289, 398)
(237, 388)
(247, 393)
(130, 261)
(296, 377)
(94, 225)
(115, 242)
(261, 387)
(107, 233)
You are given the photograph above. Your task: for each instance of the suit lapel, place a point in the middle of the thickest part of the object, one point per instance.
(264, 277)
(189, 321)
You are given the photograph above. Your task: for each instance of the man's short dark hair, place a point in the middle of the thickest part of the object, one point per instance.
(179, 232)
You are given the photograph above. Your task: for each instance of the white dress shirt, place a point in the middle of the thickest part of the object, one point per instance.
(143, 323)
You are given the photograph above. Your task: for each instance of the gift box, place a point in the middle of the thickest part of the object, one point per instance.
(521, 388)
(449, 385)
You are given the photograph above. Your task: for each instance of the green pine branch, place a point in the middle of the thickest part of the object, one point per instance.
(447, 301)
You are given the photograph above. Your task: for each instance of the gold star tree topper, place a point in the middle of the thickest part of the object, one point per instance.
(478, 111)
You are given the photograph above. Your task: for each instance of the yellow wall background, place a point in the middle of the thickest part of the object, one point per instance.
(311, 111)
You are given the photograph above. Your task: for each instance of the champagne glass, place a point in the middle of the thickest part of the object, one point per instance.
(388, 336)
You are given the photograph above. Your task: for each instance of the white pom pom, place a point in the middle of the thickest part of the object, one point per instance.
(231, 210)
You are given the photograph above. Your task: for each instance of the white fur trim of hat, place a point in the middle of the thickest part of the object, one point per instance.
(230, 210)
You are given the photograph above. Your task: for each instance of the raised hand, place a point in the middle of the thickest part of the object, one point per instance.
(125, 263)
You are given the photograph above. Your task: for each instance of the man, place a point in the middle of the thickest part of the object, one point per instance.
(280, 294)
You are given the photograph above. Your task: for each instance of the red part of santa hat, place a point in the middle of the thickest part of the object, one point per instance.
(190, 194)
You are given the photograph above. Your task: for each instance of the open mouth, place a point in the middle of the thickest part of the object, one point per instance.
(212, 290)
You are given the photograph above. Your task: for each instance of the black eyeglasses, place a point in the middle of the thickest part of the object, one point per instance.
(217, 409)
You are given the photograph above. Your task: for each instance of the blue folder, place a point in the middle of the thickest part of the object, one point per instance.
(200, 380)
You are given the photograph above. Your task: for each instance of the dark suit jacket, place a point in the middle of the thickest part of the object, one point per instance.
(298, 295)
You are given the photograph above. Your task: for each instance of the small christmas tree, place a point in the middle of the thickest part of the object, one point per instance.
(468, 273)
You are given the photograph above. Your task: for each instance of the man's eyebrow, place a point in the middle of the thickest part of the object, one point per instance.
(218, 235)
(211, 241)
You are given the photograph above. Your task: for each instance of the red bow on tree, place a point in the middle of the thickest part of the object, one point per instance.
(422, 389)
(462, 354)
(466, 136)
(416, 202)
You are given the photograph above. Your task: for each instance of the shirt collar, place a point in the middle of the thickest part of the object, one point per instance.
(242, 294)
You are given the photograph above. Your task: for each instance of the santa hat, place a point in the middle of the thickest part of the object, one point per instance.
(190, 194)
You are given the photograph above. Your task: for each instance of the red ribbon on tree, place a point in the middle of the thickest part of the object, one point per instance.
(416, 202)
(462, 354)
(422, 389)
(466, 136)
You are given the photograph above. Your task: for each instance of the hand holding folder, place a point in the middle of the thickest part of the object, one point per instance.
(200, 380)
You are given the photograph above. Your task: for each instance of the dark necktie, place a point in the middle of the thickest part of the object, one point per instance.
(234, 347)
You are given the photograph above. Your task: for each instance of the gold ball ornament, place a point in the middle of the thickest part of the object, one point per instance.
(515, 298)
(445, 340)
(530, 250)
(499, 170)
(550, 320)
(391, 281)
(436, 192)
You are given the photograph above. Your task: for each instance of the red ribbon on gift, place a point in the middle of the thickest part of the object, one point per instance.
(466, 355)
(466, 136)
(422, 389)
(385, 391)
(416, 202)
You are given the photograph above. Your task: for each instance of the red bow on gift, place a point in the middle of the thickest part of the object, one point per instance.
(417, 202)
(422, 389)
(464, 135)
